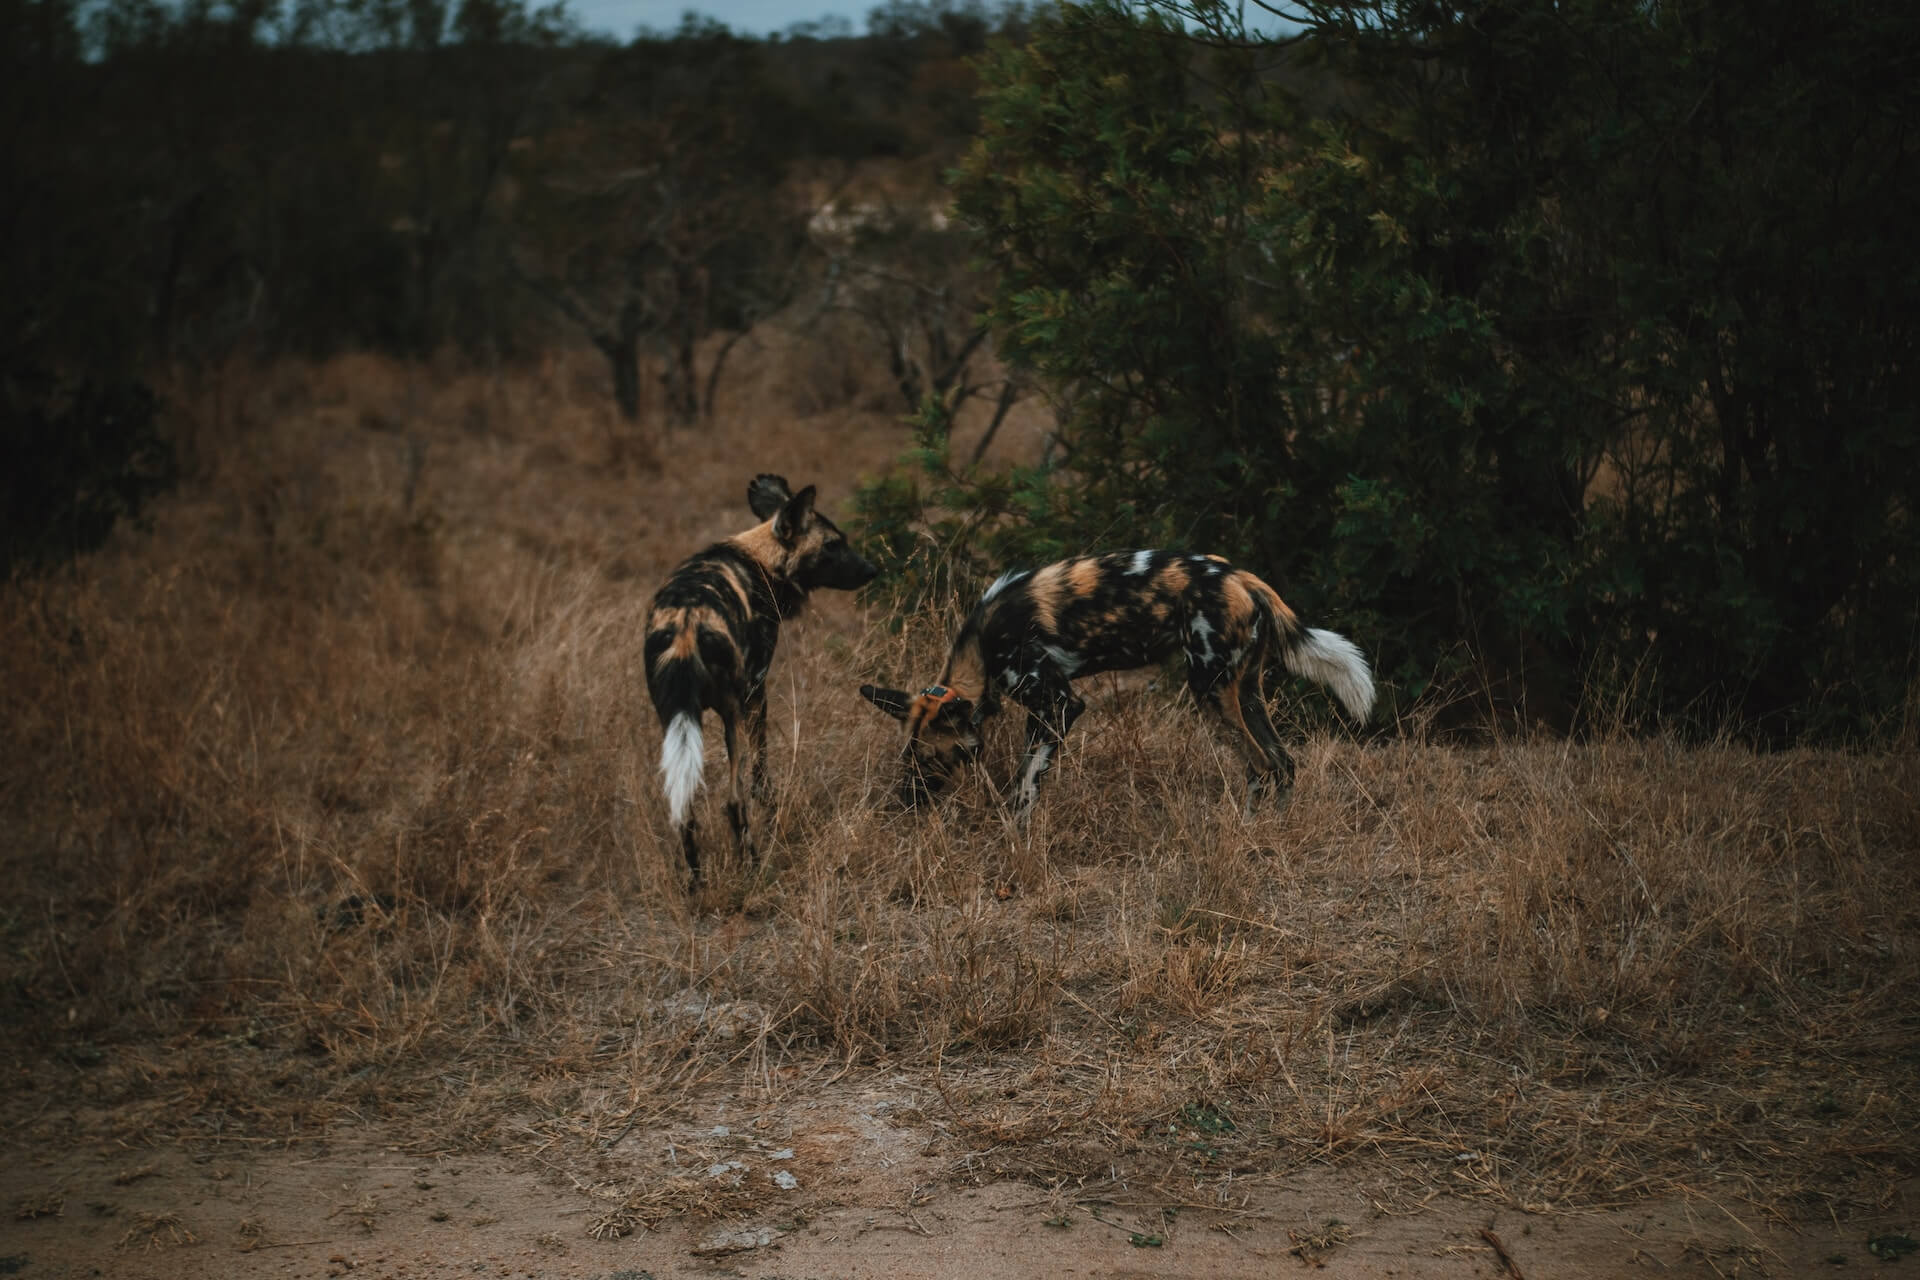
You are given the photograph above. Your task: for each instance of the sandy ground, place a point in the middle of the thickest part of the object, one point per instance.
(845, 1188)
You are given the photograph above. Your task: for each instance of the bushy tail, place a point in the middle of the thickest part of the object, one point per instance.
(675, 683)
(1328, 658)
(683, 759)
(1323, 657)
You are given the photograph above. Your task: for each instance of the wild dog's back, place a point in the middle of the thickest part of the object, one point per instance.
(1116, 611)
(716, 612)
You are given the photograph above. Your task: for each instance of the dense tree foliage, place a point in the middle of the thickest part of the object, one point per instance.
(1553, 348)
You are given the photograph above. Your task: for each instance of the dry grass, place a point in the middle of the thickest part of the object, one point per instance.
(157, 1231)
(334, 797)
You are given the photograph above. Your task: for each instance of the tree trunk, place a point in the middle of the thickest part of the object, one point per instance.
(680, 376)
(622, 350)
(683, 400)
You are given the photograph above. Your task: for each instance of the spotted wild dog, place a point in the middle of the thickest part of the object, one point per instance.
(1036, 631)
(710, 641)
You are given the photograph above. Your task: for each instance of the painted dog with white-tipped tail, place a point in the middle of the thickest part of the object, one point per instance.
(1036, 631)
(710, 641)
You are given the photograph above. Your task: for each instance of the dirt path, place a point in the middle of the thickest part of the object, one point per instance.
(835, 1192)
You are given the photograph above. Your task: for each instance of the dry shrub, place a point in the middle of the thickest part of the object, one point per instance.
(338, 790)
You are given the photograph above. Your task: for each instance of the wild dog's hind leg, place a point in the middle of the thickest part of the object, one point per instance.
(690, 847)
(1234, 698)
(756, 726)
(739, 773)
(756, 720)
(1052, 708)
(1277, 777)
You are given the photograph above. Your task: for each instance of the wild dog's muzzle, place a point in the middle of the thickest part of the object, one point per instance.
(846, 570)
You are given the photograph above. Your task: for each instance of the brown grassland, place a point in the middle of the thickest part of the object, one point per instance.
(333, 797)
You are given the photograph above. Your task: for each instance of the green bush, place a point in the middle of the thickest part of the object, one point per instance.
(1530, 343)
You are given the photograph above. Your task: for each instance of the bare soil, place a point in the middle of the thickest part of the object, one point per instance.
(855, 1183)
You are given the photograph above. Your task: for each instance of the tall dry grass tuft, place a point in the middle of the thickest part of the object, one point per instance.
(337, 793)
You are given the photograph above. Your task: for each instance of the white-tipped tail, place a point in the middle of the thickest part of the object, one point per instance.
(683, 758)
(1328, 658)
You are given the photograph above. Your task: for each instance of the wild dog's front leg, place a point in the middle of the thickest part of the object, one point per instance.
(1051, 710)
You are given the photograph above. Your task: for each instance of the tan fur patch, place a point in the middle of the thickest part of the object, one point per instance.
(1084, 578)
(686, 643)
(1239, 604)
(1045, 590)
(1173, 579)
(966, 671)
(685, 626)
(675, 621)
(1257, 585)
(766, 550)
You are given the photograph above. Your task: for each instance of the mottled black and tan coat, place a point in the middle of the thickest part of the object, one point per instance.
(1036, 631)
(710, 641)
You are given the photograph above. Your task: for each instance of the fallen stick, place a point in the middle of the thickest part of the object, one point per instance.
(1499, 1247)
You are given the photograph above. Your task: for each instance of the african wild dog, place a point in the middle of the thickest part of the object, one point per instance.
(710, 640)
(1035, 631)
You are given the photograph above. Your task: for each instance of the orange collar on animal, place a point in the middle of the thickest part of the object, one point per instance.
(932, 698)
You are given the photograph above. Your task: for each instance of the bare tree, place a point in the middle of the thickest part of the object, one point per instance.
(906, 279)
(663, 222)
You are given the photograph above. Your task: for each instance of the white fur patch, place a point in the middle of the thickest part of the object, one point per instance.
(683, 758)
(1029, 786)
(1202, 631)
(1004, 581)
(1202, 636)
(1336, 662)
(1142, 561)
(1065, 659)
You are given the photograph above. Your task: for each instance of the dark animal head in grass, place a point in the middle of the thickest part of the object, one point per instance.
(943, 734)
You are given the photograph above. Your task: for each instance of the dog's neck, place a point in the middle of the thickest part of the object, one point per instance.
(966, 672)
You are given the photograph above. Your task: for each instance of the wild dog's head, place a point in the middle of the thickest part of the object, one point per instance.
(943, 733)
(806, 548)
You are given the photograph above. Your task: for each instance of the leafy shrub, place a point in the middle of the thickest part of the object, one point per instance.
(1552, 350)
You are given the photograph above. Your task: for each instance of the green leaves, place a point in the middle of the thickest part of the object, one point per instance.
(1554, 342)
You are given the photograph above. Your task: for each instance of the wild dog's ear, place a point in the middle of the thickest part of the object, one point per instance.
(795, 516)
(767, 494)
(892, 701)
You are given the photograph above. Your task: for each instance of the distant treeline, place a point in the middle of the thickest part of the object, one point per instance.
(181, 181)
